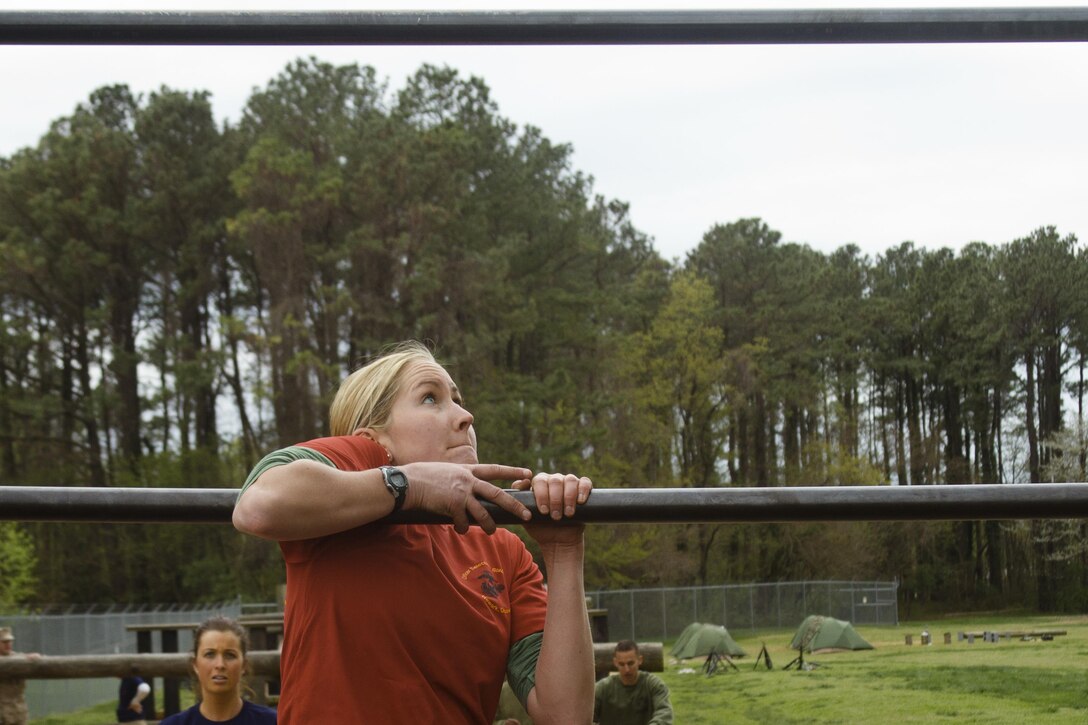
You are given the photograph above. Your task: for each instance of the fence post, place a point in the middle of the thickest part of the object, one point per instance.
(664, 616)
(171, 694)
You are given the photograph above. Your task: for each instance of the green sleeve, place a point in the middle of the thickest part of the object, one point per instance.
(281, 458)
(659, 694)
(521, 666)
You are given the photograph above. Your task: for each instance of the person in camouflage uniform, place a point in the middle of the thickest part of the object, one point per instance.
(13, 709)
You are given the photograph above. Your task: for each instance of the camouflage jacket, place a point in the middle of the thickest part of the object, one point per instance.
(13, 702)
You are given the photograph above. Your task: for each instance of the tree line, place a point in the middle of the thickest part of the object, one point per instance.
(180, 297)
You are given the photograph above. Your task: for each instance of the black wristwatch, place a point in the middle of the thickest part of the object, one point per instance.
(397, 483)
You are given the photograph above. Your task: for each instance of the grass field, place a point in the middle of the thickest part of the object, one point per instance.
(1010, 682)
(103, 714)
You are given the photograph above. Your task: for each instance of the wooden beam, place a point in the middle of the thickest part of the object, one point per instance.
(72, 667)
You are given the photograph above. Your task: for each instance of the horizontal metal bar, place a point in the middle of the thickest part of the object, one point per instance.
(605, 505)
(260, 663)
(647, 27)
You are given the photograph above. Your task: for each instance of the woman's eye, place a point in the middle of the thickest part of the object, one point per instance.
(429, 398)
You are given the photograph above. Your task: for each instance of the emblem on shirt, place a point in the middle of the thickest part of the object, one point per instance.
(491, 586)
(487, 580)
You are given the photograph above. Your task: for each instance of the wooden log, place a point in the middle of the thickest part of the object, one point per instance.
(261, 664)
(70, 667)
(1015, 633)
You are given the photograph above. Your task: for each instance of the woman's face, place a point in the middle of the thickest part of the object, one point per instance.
(219, 663)
(428, 422)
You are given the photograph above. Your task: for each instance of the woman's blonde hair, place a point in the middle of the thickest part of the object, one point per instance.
(365, 398)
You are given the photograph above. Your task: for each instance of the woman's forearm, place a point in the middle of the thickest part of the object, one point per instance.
(564, 672)
(307, 499)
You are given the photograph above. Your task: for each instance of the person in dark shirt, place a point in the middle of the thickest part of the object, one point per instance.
(130, 701)
(219, 662)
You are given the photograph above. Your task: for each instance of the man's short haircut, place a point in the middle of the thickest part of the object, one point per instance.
(626, 645)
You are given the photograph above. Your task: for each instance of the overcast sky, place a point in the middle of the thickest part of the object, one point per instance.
(870, 144)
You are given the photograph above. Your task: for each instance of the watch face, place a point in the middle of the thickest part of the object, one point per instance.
(398, 479)
(397, 483)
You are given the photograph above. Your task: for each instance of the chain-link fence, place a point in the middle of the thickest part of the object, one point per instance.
(96, 631)
(639, 614)
(661, 614)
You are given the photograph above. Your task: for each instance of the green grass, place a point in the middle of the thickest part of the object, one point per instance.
(1009, 682)
(102, 714)
(97, 715)
(1015, 682)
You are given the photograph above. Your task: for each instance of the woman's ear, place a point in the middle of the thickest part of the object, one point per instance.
(378, 437)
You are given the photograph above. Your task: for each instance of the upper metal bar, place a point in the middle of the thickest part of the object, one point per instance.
(629, 27)
(612, 505)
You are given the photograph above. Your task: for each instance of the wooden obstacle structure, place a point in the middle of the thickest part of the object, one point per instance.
(1025, 635)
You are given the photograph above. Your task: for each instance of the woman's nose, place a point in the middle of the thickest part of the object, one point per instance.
(464, 418)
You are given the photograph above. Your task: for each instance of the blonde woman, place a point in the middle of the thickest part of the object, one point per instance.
(418, 623)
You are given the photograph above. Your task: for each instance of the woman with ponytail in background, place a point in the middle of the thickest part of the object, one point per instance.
(218, 660)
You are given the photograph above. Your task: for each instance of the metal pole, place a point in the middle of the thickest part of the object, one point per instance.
(626, 27)
(264, 663)
(605, 505)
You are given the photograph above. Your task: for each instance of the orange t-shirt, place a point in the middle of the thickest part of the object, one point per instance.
(394, 624)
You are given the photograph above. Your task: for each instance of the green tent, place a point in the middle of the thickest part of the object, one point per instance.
(825, 633)
(699, 640)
